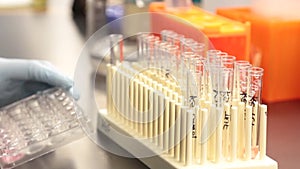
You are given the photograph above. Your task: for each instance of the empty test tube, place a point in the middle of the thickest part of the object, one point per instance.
(170, 58)
(149, 42)
(241, 82)
(256, 74)
(198, 49)
(254, 95)
(213, 57)
(187, 79)
(228, 61)
(116, 48)
(177, 39)
(187, 45)
(263, 131)
(199, 76)
(160, 54)
(171, 37)
(166, 35)
(140, 45)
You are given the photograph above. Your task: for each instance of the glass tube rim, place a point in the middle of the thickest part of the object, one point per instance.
(257, 71)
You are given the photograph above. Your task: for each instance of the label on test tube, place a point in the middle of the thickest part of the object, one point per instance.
(248, 127)
(146, 110)
(172, 128)
(140, 108)
(263, 131)
(108, 84)
(136, 104)
(122, 96)
(189, 136)
(204, 136)
(241, 128)
(226, 130)
(151, 112)
(177, 131)
(155, 118)
(114, 91)
(166, 123)
(219, 130)
(183, 134)
(132, 104)
(233, 133)
(161, 117)
(197, 150)
(255, 126)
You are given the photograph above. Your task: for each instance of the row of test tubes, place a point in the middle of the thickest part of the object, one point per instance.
(197, 104)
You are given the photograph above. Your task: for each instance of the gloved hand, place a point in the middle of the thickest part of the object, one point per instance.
(21, 78)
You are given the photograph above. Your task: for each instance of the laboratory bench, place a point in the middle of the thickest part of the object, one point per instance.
(54, 36)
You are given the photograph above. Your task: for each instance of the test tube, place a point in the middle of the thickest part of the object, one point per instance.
(160, 53)
(256, 75)
(166, 35)
(187, 44)
(153, 53)
(242, 71)
(194, 90)
(227, 76)
(199, 74)
(116, 48)
(144, 48)
(170, 58)
(213, 57)
(177, 39)
(226, 94)
(188, 57)
(140, 46)
(186, 78)
(157, 51)
(217, 86)
(228, 61)
(198, 49)
(149, 42)
(171, 38)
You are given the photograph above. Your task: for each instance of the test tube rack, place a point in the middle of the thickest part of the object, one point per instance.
(147, 116)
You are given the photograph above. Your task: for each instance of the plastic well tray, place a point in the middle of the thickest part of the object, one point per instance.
(37, 125)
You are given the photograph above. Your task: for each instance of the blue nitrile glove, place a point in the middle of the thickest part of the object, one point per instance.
(21, 78)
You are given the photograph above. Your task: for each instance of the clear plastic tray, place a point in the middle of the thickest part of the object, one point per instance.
(37, 125)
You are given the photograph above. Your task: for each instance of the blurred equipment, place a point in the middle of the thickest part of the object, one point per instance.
(95, 15)
(212, 5)
(274, 46)
(14, 3)
(224, 34)
(39, 5)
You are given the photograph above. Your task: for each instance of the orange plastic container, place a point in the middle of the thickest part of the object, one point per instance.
(275, 45)
(225, 34)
